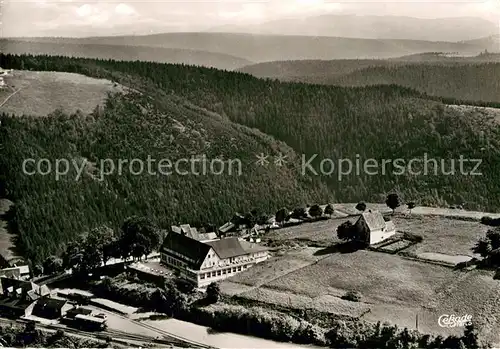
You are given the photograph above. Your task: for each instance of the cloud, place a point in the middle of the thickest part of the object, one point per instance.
(124, 9)
(84, 10)
(67, 17)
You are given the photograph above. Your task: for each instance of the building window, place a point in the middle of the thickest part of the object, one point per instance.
(239, 268)
(202, 276)
(213, 273)
(218, 272)
(229, 271)
(234, 270)
(224, 271)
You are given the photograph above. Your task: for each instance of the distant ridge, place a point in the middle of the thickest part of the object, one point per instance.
(256, 48)
(374, 27)
(72, 48)
(490, 43)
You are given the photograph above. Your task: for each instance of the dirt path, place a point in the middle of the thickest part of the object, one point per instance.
(11, 95)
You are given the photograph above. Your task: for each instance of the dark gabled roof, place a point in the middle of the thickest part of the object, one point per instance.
(190, 248)
(15, 303)
(25, 286)
(374, 220)
(227, 248)
(50, 303)
(251, 247)
(193, 233)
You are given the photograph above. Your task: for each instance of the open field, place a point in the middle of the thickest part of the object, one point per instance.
(315, 278)
(349, 208)
(379, 277)
(441, 235)
(389, 284)
(324, 231)
(40, 93)
(324, 303)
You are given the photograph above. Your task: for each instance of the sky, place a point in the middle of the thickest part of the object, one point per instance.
(117, 17)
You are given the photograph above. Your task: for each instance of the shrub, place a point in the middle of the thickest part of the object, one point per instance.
(361, 206)
(492, 222)
(412, 237)
(213, 293)
(352, 296)
(461, 265)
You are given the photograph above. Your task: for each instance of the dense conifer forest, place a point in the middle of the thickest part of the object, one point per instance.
(179, 111)
(471, 78)
(473, 82)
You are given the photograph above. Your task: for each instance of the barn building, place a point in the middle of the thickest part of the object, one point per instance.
(374, 228)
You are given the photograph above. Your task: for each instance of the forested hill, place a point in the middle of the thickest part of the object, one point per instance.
(468, 81)
(185, 110)
(124, 53)
(472, 78)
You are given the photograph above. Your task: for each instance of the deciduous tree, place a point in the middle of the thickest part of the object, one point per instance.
(361, 206)
(213, 292)
(393, 201)
(315, 211)
(329, 210)
(281, 215)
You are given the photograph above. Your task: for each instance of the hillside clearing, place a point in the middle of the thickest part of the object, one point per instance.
(40, 93)
(389, 284)
(324, 231)
(349, 208)
(441, 235)
(491, 113)
(308, 277)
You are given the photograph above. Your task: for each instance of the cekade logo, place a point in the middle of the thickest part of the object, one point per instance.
(451, 321)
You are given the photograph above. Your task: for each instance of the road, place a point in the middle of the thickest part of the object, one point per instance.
(117, 322)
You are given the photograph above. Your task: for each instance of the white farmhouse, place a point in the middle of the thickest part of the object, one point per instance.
(374, 227)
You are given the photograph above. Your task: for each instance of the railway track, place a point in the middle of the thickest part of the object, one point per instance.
(114, 335)
(183, 341)
(168, 337)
